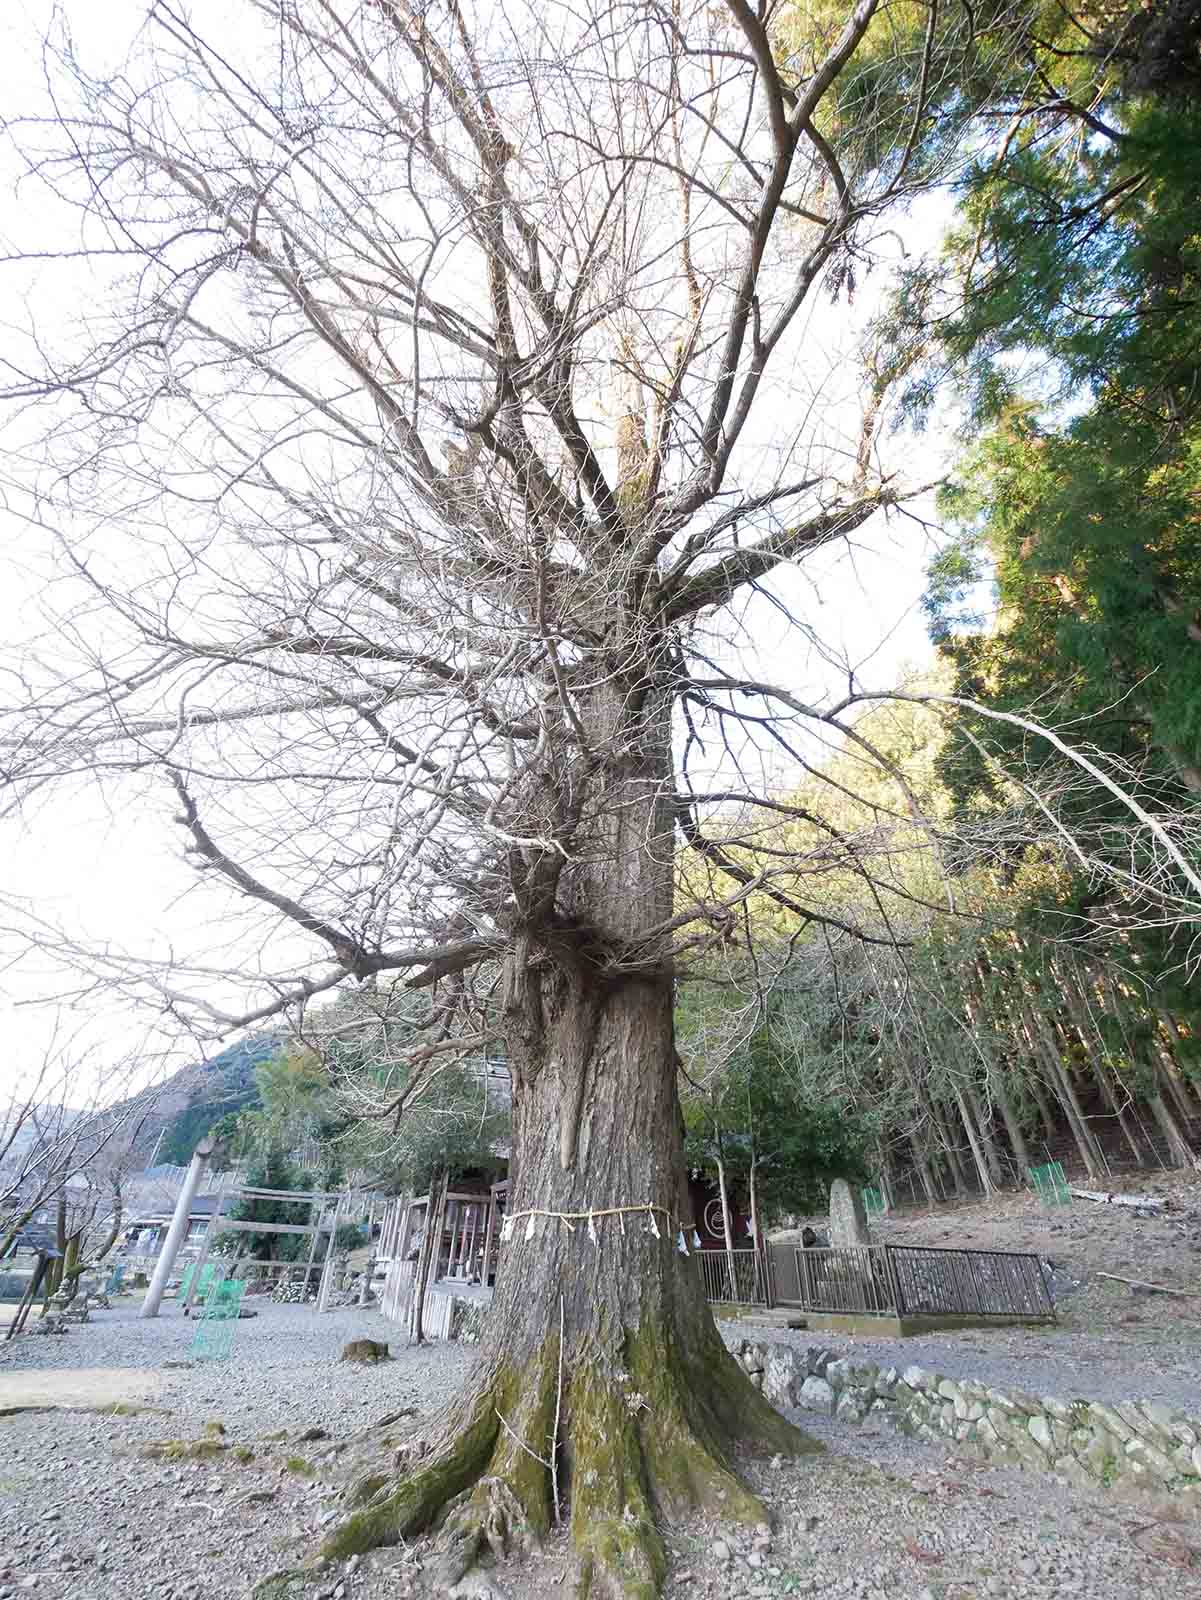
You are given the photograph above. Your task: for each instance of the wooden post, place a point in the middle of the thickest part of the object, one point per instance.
(489, 1232)
(327, 1276)
(464, 1223)
(761, 1255)
(894, 1281)
(431, 1251)
(401, 1231)
(728, 1231)
(316, 1206)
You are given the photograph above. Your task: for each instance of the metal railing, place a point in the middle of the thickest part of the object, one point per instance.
(978, 1283)
(912, 1280)
(848, 1278)
(733, 1277)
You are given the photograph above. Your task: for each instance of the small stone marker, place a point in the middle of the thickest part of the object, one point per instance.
(848, 1220)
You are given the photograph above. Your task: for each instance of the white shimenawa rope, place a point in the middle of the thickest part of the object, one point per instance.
(570, 1218)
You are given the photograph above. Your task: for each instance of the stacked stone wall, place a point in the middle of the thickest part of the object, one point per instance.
(1086, 1442)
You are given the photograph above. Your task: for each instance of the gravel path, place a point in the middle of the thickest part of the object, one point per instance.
(283, 1369)
(84, 1514)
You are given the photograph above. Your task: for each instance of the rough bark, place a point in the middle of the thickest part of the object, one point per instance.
(1013, 1126)
(652, 1407)
(1180, 1152)
(973, 1138)
(635, 1411)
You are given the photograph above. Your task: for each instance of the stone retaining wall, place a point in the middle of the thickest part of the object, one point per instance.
(1083, 1441)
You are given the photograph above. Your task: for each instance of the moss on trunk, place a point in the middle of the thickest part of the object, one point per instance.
(636, 1420)
(646, 1434)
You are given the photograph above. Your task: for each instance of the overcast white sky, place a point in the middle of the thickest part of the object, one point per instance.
(119, 877)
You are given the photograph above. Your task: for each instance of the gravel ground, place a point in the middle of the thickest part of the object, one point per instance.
(283, 1370)
(291, 1376)
(84, 1514)
(879, 1517)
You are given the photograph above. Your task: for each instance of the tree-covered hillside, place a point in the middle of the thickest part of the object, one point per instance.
(214, 1088)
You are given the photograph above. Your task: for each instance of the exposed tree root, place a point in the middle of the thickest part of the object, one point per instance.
(636, 1447)
(492, 1520)
(509, 1509)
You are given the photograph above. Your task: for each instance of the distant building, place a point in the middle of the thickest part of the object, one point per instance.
(146, 1228)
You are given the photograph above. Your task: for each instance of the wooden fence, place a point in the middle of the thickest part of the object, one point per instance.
(396, 1300)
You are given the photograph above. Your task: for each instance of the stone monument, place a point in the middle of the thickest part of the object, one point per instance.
(848, 1220)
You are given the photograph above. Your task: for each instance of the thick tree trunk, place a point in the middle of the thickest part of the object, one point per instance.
(651, 1403)
(602, 1374)
(1180, 1152)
